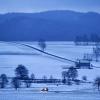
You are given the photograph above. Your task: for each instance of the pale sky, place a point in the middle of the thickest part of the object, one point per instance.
(45, 5)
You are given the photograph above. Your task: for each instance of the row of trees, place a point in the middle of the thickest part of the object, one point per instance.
(22, 76)
(72, 74)
(95, 55)
(96, 52)
(85, 39)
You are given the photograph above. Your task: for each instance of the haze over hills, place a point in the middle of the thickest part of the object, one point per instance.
(50, 25)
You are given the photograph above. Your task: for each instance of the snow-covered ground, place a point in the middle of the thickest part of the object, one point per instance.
(29, 94)
(41, 64)
(50, 96)
(13, 54)
(60, 92)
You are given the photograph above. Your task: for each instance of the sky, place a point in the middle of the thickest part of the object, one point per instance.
(29, 6)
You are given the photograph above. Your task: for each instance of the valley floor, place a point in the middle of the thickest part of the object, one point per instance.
(30, 95)
(61, 92)
(41, 65)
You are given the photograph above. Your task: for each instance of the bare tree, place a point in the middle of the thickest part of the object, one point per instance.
(97, 83)
(32, 76)
(51, 77)
(27, 82)
(42, 44)
(4, 80)
(96, 52)
(16, 83)
(44, 77)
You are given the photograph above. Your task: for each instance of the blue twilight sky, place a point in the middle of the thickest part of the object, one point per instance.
(44, 5)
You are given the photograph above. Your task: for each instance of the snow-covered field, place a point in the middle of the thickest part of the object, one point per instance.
(41, 64)
(12, 54)
(38, 96)
(23, 94)
(62, 92)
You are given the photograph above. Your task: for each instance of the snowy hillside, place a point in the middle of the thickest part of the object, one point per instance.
(13, 54)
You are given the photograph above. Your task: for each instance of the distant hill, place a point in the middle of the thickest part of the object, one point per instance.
(50, 25)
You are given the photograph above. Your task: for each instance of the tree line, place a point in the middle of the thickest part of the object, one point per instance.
(22, 77)
(85, 39)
